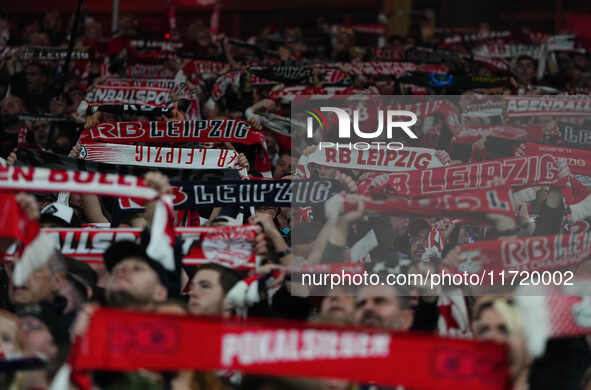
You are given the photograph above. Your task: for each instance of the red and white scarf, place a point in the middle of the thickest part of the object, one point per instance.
(176, 87)
(518, 172)
(173, 132)
(521, 254)
(376, 68)
(578, 160)
(509, 50)
(468, 135)
(149, 96)
(529, 106)
(125, 341)
(160, 157)
(377, 159)
(34, 179)
(470, 204)
(289, 94)
(147, 71)
(232, 246)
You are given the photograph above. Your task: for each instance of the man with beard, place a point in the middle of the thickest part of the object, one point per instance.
(338, 304)
(383, 306)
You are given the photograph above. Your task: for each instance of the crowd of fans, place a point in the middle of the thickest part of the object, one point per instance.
(44, 107)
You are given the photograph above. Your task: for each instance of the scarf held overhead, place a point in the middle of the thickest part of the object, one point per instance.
(232, 246)
(174, 132)
(79, 182)
(469, 204)
(149, 96)
(517, 172)
(374, 159)
(523, 253)
(272, 193)
(160, 157)
(123, 341)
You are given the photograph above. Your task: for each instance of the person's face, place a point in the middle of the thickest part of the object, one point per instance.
(12, 105)
(41, 132)
(136, 277)
(417, 245)
(206, 295)
(76, 96)
(36, 337)
(35, 78)
(326, 172)
(8, 335)
(399, 224)
(378, 306)
(39, 286)
(491, 326)
(284, 53)
(283, 166)
(338, 306)
(525, 71)
(57, 105)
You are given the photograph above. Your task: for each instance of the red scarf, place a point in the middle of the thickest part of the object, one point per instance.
(522, 253)
(473, 204)
(126, 341)
(518, 172)
(376, 158)
(578, 160)
(173, 132)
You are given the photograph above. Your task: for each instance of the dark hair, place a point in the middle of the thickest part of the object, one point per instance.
(400, 292)
(526, 57)
(228, 276)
